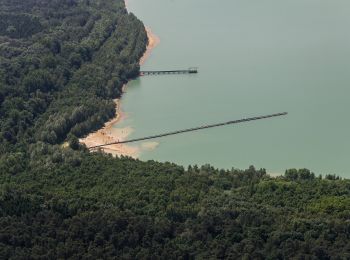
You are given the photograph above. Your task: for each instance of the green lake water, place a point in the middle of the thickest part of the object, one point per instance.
(254, 57)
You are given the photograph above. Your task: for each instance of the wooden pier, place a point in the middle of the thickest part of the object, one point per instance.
(162, 72)
(191, 130)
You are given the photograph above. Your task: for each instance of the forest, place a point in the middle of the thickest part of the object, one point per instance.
(62, 62)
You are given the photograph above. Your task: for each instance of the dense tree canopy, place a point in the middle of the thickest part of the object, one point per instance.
(61, 64)
(81, 205)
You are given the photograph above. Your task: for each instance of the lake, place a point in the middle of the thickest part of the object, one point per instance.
(254, 57)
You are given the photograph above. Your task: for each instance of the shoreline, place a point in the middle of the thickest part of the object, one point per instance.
(108, 133)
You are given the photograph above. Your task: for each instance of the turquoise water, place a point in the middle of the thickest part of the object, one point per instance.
(254, 57)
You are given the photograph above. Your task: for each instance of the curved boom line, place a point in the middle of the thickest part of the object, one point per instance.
(192, 129)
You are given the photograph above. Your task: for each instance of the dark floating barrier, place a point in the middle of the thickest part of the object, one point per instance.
(192, 129)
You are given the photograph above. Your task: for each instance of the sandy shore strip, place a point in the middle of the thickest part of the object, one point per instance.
(153, 41)
(110, 134)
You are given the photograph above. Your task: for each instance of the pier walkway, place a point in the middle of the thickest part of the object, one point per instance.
(191, 129)
(161, 72)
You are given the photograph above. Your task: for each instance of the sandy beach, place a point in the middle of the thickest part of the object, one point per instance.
(153, 41)
(109, 133)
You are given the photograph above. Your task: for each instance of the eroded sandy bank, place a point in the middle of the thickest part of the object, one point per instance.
(110, 132)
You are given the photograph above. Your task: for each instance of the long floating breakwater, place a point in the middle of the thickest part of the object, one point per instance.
(191, 129)
(160, 72)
